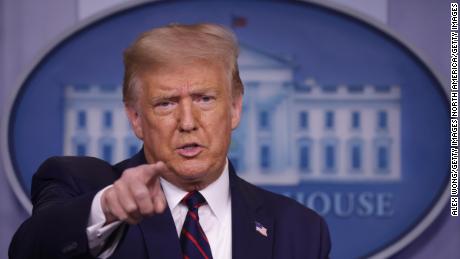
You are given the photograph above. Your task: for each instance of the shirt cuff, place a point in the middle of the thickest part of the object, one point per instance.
(97, 233)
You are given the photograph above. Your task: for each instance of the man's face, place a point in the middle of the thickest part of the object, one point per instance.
(185, 116)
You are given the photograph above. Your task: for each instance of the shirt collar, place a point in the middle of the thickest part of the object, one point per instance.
(217, 194)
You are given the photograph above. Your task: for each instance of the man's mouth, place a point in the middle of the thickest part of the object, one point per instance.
(189, 150)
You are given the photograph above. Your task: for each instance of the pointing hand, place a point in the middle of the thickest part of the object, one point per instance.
(135, 195)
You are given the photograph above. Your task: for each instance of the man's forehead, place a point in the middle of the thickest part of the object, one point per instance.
(174, 88)
(176, 65)
(190, 78)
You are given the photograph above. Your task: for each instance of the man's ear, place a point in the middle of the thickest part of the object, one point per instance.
(237, 106)
(135, 120)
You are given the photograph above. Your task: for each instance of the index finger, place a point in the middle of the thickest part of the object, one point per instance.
(153, 171)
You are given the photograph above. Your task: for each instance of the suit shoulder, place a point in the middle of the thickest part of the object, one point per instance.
(72, 162)
(281, 206)
(72, 168)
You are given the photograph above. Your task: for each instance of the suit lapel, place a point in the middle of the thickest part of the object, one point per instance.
(247, 209)
(160, 236)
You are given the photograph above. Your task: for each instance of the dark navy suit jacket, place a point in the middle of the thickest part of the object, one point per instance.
(63, 189)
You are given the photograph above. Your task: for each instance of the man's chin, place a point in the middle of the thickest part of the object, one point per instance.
(191, 172)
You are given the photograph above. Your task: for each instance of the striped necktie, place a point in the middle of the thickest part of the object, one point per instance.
(193, 241)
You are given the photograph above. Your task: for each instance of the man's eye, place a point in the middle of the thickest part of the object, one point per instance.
(206, 98)
(164, 104)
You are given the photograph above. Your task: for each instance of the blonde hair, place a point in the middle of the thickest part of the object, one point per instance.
(180, 43)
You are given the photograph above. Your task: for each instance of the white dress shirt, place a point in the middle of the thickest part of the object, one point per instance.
(215, 217)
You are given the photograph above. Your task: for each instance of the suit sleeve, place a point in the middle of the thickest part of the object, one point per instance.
(61, 206)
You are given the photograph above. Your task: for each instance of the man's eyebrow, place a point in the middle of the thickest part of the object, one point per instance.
(204, 90)
(199, 91)
(164, 97)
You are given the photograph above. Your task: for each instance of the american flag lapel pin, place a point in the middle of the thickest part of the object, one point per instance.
(261, 229)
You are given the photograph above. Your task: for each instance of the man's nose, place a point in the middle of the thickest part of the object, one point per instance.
(187, 117)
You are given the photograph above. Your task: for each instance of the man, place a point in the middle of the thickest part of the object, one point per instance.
(179, 197)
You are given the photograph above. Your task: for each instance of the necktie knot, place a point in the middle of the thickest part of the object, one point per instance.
(194, 200)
